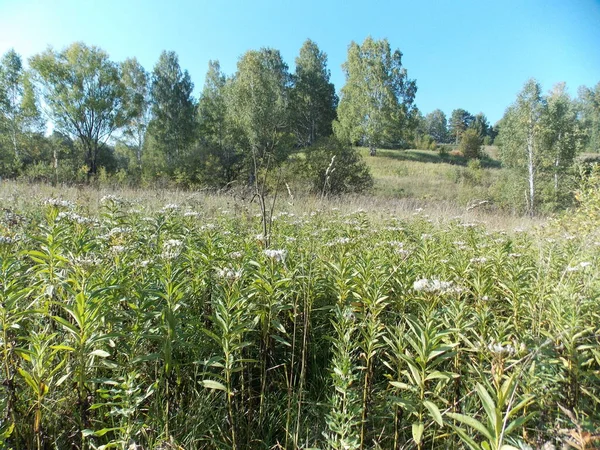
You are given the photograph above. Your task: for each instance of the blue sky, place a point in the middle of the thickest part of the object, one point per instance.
(466, 54)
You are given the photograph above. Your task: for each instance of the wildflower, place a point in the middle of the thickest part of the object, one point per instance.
(434, 286)
(585, 264)
(339, 241)
(208, 226)
(7, 240)
(110, 198)
(501, 350)
(229, 273)
(426, 236)
(117, 249)
(514, 255)
(236, 255)
(170, 207)
(191, 214)
(172, 248)
(277, 255)
(59, 203)
(480, 260)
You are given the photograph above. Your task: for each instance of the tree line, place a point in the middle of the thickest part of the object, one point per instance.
(118, 118)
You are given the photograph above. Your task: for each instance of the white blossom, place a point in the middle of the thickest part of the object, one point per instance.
(277, 255)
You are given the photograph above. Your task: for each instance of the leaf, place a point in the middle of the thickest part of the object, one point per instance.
(417, 431)
(435, 412)
(212, 384)
(473, 423)
(401, 385)
(100, 353)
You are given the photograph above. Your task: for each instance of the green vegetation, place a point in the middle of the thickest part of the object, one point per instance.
(126, 324)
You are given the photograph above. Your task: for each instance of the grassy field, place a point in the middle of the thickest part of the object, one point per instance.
(164, 319)
(426, 175)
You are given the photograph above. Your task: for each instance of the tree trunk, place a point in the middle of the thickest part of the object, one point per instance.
(530, 171)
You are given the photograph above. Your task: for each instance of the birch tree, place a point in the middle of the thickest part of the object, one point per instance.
(521, 136)
(377, 101)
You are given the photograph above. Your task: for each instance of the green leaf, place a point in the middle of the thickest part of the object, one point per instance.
(473, 423)
(435, 412)
(212, 384)
(417, 431)
(100, 353)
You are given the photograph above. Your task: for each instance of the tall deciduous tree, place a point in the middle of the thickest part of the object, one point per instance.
(460, 120)
(589, 106)
(436, 125)
(173, 124)
(216, 138)
(521, 131)
(19, 113)
(377, 100)
(83, 91)
(136, 82)
(258, 105)
(314, 100)
(562, 133)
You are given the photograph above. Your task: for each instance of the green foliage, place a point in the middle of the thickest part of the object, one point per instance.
(83, 90)
(436, 126)
(351, 330)
(173, 110)
(376, 104)
(470, 144)
(335, 168)
(460, 120)
(313, 98)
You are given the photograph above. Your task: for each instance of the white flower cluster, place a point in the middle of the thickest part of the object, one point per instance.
(236, 255)
(578, 267)
(59, 203)
(109, 198)
(434, 286)
(501, 350)
(480, 260)
(7, 240)
(277, 255)
(86, 263)
(170, 207)
(339, 241)
(172, 248)
(229, 273)
(73, 217)
(191, 214)
(117, 249)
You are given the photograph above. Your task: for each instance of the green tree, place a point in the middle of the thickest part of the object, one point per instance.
(136, 82)
(84, 94)
(436, 125)
(562, 133)
(521, 130)
(19, 113)
(335, 168)
(258, 107)
(460, 120)
(481, 125)
(218, 156)
(589, 107)
(313, 97)
(376, 102)
(470, 144)
(173, 124)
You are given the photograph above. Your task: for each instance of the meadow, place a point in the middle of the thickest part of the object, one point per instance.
(164, 319)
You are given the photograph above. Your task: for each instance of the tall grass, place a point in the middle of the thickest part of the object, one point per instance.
(135, 322)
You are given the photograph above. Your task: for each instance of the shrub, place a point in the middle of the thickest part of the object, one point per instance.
(334, 168)
(470, 145)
